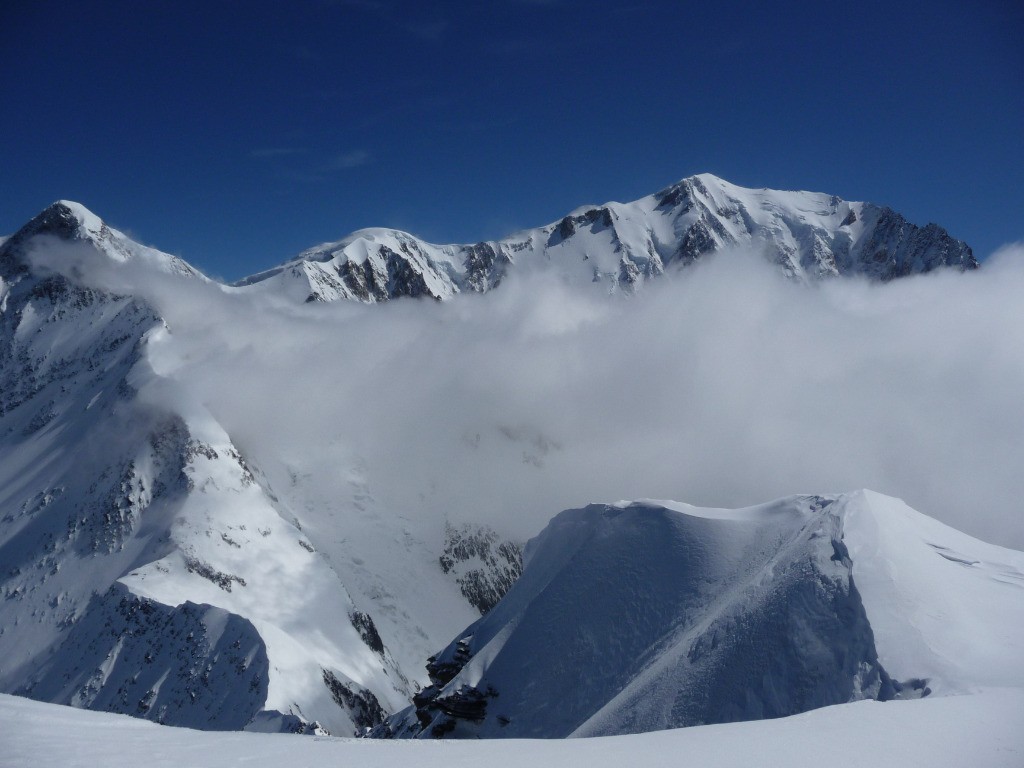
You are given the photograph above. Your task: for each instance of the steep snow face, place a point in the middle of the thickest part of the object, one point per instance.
(809, 235)
(649, 615)
(943, 606)
(146, 566)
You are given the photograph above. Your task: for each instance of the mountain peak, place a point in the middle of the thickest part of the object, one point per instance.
(71, 221)
(65, 219)
(808, 235)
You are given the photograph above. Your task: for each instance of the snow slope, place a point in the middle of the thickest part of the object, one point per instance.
(982, 729)
(809, 235)
(642, 616)
(146, 566)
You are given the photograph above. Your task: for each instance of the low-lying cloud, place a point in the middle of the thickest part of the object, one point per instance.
(725, 385)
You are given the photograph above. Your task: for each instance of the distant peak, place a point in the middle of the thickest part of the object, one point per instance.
(77, 210)
(707, 178)
(71, 221)
(65, 219)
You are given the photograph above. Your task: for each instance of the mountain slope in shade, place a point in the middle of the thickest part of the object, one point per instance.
(146, 566)
(809, 235)
(642, 616)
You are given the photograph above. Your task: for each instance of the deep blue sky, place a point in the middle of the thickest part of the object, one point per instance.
(236, 134)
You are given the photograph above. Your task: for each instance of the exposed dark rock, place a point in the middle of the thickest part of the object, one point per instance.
(368, 631)
(208, 572)
(485, 267)
(362, 706)
(484, 566)
(442, 668)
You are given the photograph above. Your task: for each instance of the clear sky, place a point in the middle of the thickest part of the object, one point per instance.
(237, 133)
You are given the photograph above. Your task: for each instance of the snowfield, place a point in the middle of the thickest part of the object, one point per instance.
(983, 730)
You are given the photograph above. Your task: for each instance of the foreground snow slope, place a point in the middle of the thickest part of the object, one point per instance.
(641, 616)
(984, 729)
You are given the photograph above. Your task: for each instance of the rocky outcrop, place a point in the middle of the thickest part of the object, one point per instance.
(484, 566)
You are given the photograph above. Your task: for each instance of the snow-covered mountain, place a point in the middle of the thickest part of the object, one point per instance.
(643, 616)
(155, 562)
(146, 567)
(809, 235)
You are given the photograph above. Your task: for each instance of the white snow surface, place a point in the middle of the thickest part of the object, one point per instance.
(985, 729)
(943, 605)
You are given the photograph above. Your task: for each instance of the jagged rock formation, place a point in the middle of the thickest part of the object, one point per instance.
(484, 566)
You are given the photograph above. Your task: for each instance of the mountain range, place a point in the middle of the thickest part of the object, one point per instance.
(154, 564)
(808, 235)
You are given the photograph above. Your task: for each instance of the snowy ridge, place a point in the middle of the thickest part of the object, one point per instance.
(809, 235)
(146, 566)
(643, 616)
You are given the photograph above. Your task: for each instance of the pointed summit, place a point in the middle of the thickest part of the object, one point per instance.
(73, 222)
(65, 219)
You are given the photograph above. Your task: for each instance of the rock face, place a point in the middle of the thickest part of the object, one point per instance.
(808, 235)
(643, 616)
(484, 566)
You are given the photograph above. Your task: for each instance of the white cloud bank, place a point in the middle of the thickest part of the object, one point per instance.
(726, 385)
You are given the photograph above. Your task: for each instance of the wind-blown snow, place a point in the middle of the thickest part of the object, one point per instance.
(942, 605)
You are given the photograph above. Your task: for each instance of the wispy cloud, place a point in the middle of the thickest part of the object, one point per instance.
(300, 164)
(347, 160)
